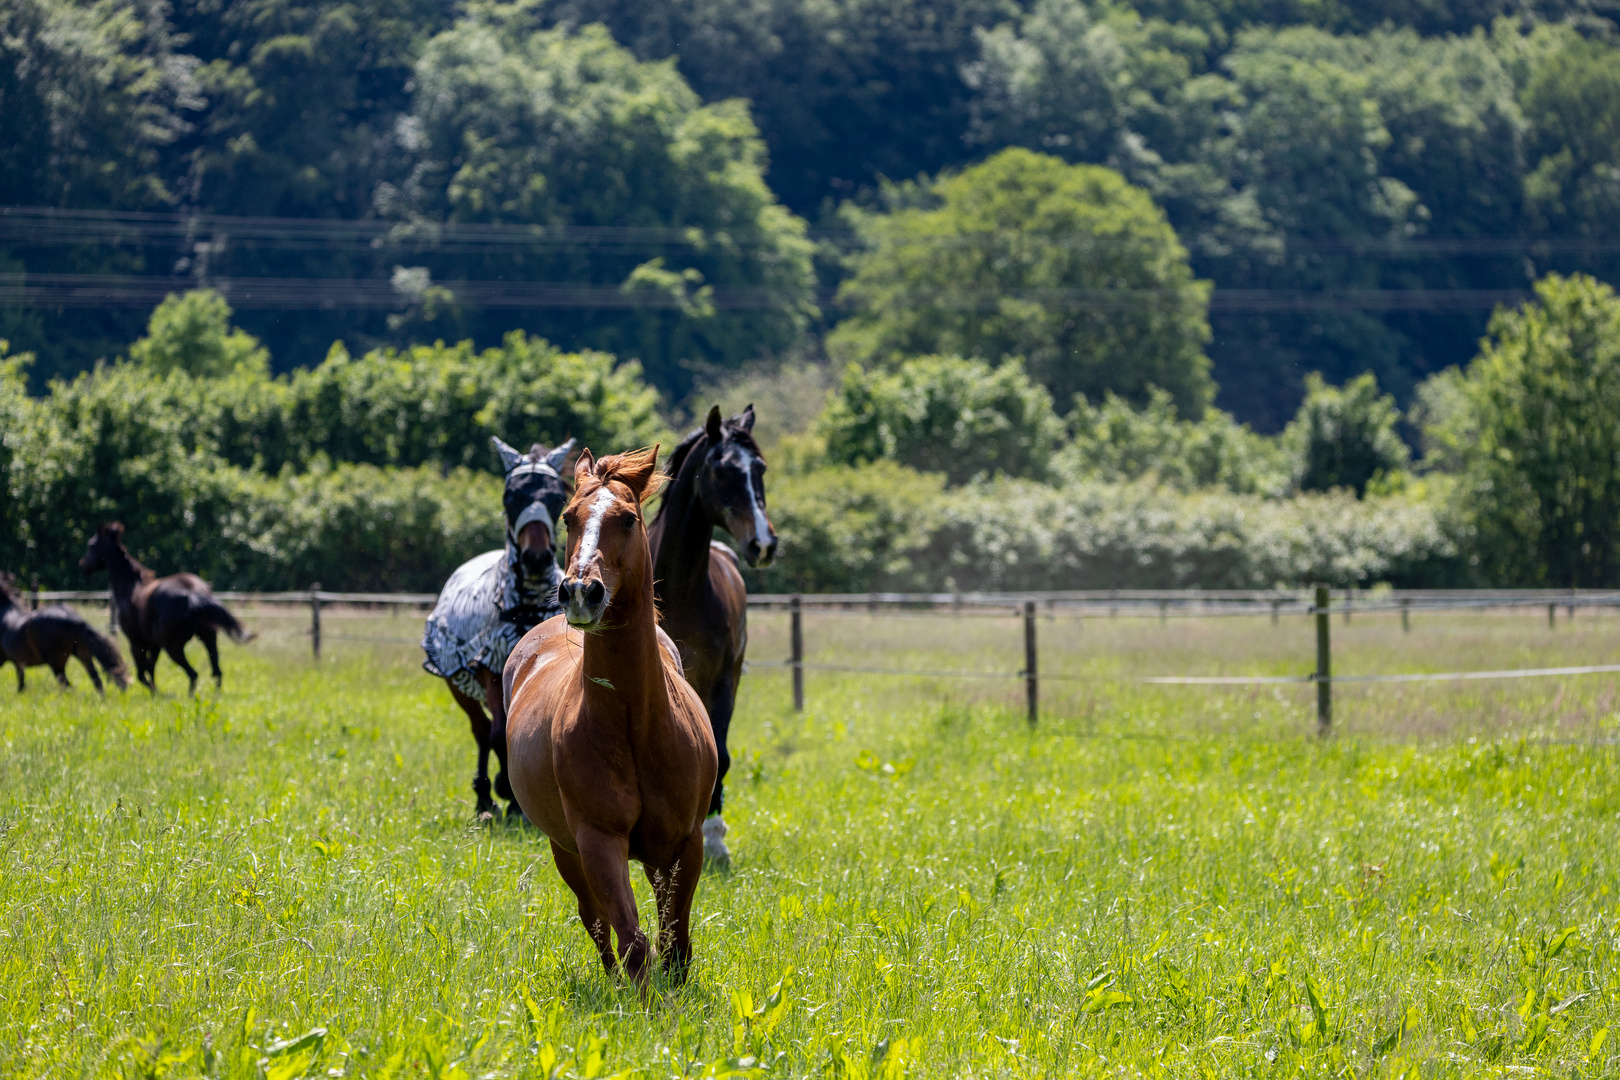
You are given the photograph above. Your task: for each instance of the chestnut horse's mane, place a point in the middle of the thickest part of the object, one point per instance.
(631, 468)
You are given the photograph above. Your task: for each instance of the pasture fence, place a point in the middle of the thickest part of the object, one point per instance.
(1163, 604)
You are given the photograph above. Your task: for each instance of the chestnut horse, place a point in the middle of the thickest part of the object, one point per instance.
(160, 614)
(607, 746)
(718, 481)
(53, 636)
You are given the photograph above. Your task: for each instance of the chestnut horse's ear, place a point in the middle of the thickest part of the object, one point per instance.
(636, 470)
(556, 458)
(711, 426)
(509, 455)
(745, 419)
(584, 466)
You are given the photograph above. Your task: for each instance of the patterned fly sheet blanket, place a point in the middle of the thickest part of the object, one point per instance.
(492, 600)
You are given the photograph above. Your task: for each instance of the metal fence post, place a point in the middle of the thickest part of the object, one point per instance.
(1324, 664)
(315, 618)
(1032, 689)
(796, 637)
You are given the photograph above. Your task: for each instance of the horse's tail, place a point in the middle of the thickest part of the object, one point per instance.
(212, 613)
(111, 660)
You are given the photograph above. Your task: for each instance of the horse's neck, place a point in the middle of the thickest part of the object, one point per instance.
(623, 666)
(681, 563)
(124, 573)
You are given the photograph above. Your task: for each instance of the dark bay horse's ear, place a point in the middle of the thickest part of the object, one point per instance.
(711, 426)
(556, 458)
(113, 529)
(635, 469)
(509, 455)
(585, 466)
(745, 419)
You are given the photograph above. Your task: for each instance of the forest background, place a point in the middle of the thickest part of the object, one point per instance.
(1049, 294)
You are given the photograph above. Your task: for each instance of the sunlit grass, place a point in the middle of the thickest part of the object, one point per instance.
(1158, 880)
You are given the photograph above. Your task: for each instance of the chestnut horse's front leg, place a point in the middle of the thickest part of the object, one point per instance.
(675, 887)
(590, 912)
(605, 859)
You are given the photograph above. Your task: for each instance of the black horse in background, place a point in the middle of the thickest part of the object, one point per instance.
(718, 482)
(160, 614)
(52, 636)
(494, 599)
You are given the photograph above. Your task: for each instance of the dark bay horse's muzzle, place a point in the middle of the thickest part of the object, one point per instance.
(583, 600)
(761, 556)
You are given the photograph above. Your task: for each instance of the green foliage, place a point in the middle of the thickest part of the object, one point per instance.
(854, 528)
(962, 418)
(1345, 436)
(554, 128)
(1530, 428)
(1114, 442)
(886, 527)
(364, 528)
(234, 477)
(192, 333)
(1005, 265)
(1572, 104)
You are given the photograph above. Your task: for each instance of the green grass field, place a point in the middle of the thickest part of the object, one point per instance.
(285, 880)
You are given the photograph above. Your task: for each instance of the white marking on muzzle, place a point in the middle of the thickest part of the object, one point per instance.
(593, 529)
(762, 527)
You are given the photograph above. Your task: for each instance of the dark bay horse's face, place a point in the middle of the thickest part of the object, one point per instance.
(103, 544)
(535, 496)
(732, 485)
(607, 536)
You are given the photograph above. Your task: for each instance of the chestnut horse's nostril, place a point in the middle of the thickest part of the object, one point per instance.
(595, 592)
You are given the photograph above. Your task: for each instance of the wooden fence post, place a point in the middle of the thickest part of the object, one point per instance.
(1349, 599)
(112, 614)
(1406, 616)
(1552, 616)
(1276, 609)
(1032, 689)
(1324, 664)
(315, 618)
(796, 637)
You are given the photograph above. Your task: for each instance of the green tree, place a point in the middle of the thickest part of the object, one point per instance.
(1533, 432)
(1066, 266)
(943, 414)
(1572, 103)
(555, 129)
(1344, 437)
(1115, 442)
(192, 332)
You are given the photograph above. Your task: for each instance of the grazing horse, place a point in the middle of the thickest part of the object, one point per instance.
(160, 614)
(493, 600)
(718, 482)
(608, 746)
(52, 636)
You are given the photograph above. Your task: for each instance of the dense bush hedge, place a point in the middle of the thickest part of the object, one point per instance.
(234, 477)
(884, 526)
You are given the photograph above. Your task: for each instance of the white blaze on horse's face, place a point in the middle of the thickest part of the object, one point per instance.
(586, 598)
(764, 538)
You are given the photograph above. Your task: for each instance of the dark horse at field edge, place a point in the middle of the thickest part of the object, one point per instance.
(718, 481)
(52, 636)
(160, 614)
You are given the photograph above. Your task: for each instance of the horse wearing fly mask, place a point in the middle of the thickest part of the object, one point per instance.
(491, 601)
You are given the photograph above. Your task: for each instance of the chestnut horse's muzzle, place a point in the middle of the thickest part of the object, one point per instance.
(583, 600)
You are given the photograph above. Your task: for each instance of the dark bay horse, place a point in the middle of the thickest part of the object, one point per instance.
(718, 482)
(493, 600)
(160, 614)
(609, 749)
(52, 636)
